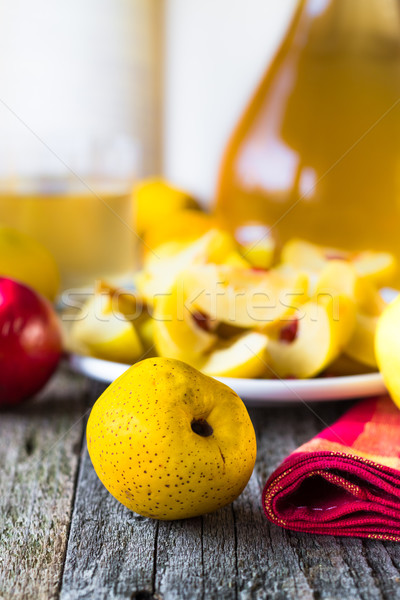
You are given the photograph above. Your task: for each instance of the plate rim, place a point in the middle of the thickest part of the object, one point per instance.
(257, 392)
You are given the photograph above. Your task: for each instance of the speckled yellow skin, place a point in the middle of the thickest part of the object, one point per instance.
(144, 450)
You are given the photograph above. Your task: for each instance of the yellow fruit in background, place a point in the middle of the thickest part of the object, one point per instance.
(169, 442)
(184, 227)
(28, 261)
(338, 276)
(387, 348)
(378, 268)
(155, 201)
(162, 268)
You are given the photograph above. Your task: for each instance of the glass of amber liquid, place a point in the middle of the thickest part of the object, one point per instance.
(86, 224)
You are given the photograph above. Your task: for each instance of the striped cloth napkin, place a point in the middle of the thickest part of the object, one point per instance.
(346, 480)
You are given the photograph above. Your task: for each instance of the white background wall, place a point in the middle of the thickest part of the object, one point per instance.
(215, 53)
(78, 73)
(81, 72)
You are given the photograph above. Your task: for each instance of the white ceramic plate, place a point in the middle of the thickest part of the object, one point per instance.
(259, 392)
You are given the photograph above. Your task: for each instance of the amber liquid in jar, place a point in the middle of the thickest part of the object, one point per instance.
(317, 152)
(87, 228)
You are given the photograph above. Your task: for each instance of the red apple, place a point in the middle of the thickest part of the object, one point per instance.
(30, 341)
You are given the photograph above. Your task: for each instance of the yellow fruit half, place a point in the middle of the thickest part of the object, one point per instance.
(313, 339)
(243, 356)
(379, 268)
(106, 334)
(340, 277)
(178, 328)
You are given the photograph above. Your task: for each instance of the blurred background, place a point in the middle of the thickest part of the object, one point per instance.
(131, 85)
(98, 95)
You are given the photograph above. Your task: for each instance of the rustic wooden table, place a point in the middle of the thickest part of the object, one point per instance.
(62, 535)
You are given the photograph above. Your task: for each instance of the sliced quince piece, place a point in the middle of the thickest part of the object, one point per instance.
(304, 255)
(245, 297)
(362, 343)
(179, 330)
(314, 337)
(244, 356)
(145, 331)
(377, 267)
(161, 271)
(103, 333)
(132, 306)
(341, 277)
(127, 302)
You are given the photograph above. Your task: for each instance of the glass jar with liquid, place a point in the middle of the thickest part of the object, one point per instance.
(79, 120)
(87, 225)
(317, 152)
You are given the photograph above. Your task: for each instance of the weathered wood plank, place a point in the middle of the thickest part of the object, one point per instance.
(219, 554)
(268, 565)
(179, 566)
(234, 553)
(110, 551)
(39, 452)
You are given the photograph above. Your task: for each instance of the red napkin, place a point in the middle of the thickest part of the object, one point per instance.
(346, 480)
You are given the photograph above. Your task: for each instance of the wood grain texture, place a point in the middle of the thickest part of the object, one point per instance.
(113, 553)
(111, 549)
(39, 450)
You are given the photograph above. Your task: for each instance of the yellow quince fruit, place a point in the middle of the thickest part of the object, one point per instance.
(155, 201)
(169, 442)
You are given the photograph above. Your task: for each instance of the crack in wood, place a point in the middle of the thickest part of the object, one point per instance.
(153, 578)
(79, 443)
